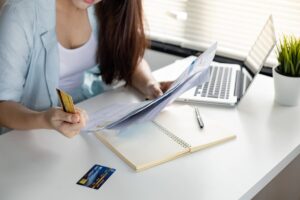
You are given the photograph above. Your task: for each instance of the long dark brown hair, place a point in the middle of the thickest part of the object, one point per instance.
(121, 38)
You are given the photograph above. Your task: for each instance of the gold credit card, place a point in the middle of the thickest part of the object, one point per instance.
(66, 101)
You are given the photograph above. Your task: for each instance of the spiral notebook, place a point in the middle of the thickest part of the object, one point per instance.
(173, 133)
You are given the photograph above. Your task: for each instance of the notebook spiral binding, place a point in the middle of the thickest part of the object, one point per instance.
(172, 136)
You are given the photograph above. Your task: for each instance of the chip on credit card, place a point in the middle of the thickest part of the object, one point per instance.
(66, 101)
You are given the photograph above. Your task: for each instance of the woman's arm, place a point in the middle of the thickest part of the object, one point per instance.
(16, 116)
(15, 47)
(144, 81)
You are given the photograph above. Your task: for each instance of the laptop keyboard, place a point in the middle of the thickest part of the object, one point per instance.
(218, 85)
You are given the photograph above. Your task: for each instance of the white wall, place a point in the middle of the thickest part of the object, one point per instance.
(157, 59)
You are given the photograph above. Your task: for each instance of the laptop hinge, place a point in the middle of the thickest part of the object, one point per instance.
(239, 84)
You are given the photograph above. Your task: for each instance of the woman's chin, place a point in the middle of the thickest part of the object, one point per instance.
(81, 4)
(84, 4)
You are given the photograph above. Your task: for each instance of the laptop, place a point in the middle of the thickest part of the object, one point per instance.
(229, 83)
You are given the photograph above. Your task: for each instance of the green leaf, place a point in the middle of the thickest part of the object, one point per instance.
(298, 64)
(292, 68)
(297, 68)
(288, 55)
(286, 61)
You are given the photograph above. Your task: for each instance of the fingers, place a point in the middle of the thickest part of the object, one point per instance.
(67, 123)
(157, 89)
(154, 91)
(60, 115)
(157, 92)
(79, 116)
(164, 86)
(83, 115)
(70, 130)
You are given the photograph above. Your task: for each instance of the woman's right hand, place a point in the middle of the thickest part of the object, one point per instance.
(66, 123)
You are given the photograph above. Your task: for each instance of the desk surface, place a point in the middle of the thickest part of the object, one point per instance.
(42, 164)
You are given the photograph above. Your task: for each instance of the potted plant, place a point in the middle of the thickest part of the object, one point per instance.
(287, 73)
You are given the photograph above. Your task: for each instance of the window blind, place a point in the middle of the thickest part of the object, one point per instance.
(235, 24)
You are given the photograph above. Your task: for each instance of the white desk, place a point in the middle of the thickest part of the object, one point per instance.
(42, 164)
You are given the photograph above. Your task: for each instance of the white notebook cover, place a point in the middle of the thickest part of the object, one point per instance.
(181, 121)
(173, 133)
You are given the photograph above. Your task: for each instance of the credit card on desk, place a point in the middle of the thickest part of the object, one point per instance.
(66, 101)
(96, 176)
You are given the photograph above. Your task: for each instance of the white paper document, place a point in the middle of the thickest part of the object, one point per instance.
(117, 116)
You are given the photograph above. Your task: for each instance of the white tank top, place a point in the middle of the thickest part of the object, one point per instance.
(73, 63)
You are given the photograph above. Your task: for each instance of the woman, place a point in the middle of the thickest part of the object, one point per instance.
(45, 44)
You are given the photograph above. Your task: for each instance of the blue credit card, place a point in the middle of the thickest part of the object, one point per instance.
(96, 176)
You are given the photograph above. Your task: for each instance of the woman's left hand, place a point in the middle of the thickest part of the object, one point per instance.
(156, 89)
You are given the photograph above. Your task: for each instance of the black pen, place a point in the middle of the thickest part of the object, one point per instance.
(199, 119)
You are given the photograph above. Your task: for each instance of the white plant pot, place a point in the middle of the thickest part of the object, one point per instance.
(287, 89)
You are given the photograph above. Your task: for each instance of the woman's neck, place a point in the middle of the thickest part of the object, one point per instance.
(73, 28)
(67, 6)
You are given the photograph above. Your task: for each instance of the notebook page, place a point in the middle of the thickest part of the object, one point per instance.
(142, 145)
(181, 121)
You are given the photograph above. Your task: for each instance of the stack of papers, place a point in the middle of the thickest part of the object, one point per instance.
(118, 116)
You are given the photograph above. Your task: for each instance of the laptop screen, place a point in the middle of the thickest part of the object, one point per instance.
(259, 52)
(262, 48)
